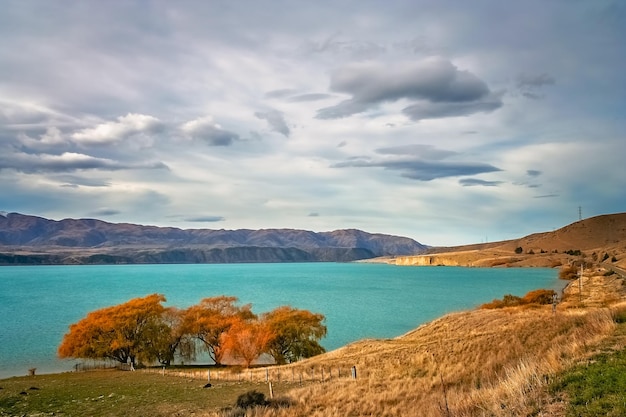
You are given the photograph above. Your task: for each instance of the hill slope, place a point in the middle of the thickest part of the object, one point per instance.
(36, 240)
(604, 236)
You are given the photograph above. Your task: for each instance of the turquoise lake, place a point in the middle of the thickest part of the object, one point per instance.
(359, 300)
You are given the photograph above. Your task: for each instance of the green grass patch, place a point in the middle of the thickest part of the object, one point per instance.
(119, 393)
(597, 388)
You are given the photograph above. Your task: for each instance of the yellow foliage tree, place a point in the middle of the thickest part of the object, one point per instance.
(295, 334)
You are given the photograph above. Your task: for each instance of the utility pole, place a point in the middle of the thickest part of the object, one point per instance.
(580, 284)
(580, 213)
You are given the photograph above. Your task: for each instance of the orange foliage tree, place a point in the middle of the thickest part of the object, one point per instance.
(247, 340)
(295, 334)
(125, 333)
(143, 330)
(211, 320)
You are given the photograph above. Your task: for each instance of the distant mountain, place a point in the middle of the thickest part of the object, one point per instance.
(28, 239)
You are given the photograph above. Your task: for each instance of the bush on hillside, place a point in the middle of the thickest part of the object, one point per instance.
(569, 272)
(539, 297)
(251, 399)
(254, 399)
(507, 301)
(536, 297)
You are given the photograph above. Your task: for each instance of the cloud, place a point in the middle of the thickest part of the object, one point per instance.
(313, 214)
(204, 128)
(533, 173)
(530, 85)
(428, 110)
(67, 162)
(276, 120)
(546, 196)
(419, 162)
(309, 97)
(421, 170)
(418, 150)
(282, 93)
(205, 219)
(105, 211)
(110, 132)
(470, 182)
(74, 180)
(438, 86)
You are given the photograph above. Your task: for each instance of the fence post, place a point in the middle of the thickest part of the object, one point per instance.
(354, 372)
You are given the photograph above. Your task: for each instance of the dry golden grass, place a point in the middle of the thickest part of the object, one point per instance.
(475, 363)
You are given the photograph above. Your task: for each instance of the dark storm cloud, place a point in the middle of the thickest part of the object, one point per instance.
(441, 89)
(276, 120)
(421, 170)
(470, 182)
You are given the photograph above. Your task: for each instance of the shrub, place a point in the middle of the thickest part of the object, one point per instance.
(532, 297)
(251, 399)
(519, 249)
(569, 272)
(539, 297)
(605, 257)
(614, 259)
(507, 301)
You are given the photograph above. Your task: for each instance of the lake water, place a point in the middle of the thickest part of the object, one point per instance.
(359, 300)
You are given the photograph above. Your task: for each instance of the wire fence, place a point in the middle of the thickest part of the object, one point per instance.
(265, 374)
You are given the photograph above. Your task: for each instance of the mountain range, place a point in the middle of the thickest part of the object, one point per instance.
(26, 239)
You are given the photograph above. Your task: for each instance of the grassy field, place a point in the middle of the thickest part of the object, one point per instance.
(109, 393)
(518, 361)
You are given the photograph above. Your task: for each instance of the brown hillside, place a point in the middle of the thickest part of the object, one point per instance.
(603, 235)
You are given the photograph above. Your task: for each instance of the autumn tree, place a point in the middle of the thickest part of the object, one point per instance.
(126, 332)
(172, 338)
(295, 334)
(211, 319)
(247, 340)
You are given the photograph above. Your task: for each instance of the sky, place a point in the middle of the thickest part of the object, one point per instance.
(446, 121)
